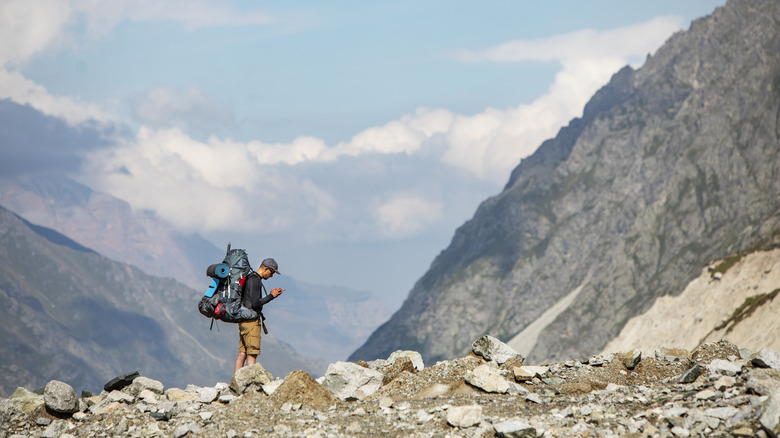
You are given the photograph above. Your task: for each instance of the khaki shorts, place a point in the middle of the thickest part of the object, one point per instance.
(249, 337)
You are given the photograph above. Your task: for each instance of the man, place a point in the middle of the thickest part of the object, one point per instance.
(249, 331)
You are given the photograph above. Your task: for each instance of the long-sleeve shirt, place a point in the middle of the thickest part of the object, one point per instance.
(253, 293)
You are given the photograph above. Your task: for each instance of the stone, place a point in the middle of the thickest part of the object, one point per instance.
(723, 383)
(770, 413)
(413, 356)
(177, 394)
(398, 366)
(464, 416)
(514, 429)
(207, 395)
(725, 367)
(691, 374)
(60, 397)
(144, 383)
(767, 359)
(632, 359)
(120, 382)
(57, 428)
(492, 349)
(487, 378)
(250, 376)
(723, 413)
(270, 387)
(25, 401)
(119, 396)
(351, 381)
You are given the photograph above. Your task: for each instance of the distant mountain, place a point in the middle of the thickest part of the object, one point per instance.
(670, 167)
(73, 315)
(109, 226)
(322, 322)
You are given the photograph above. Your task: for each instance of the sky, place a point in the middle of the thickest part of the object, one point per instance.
(346, 139)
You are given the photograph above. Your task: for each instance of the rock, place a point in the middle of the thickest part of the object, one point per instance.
(514, 429)
(119, 396)
(724, 413)
(60, 397)
(207, 395)
(25, 401)
(493, 349)
(723, 383)
(413, 356)
(57, 428)
(725, 367)
(120, 382)
(300, 388)
(397, 367)
(176, 394)
(270, 387)
(763, 381)
(767, 359)
(141, 383)
(250, 376)
(487, 378)
(464, 416)
(691, 374)
(632, 358)
(770, 413)
(350, 381)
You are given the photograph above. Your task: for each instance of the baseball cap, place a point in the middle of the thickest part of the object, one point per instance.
(271, 263)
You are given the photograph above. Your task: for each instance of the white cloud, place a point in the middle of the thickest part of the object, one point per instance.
(405, 215)
(14, 86)
(167, 107)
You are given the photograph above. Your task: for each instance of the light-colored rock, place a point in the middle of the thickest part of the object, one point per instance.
(415, 357)
(488, 378)
(141, 383)
(464, 416)
(514, 429)
(270, 387)
(351, 381)
(177, 394)
(250, 376)
(60, 397)
(207, 395)
(57, 428)
(493, 349)
(725, 367)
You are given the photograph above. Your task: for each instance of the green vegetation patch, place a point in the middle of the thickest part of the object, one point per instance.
(747, 308)
(726, 264)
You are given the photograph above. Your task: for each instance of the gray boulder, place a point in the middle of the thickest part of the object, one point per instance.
(348, 380)
(493, 349)
(248, 377)
(515, 429)
(60, 397)
(141, 383)
(487, 378)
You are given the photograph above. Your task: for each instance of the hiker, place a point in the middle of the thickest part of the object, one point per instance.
(249, 331)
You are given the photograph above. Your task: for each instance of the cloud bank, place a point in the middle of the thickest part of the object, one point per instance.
(426, 169)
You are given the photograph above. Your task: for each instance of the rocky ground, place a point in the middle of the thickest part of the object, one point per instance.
(714, 390)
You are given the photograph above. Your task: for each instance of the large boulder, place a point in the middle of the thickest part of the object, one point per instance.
(251, 376)
(60, 397)
(348, 380)
(493, 349)
(300, 388)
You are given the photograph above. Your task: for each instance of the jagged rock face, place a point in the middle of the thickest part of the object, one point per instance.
(671, 166)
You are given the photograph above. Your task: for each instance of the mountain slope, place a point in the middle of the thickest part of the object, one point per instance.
(671, 166)
(732, 299)
(72, 315)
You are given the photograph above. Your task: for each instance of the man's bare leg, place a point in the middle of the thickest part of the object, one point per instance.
(240, 361)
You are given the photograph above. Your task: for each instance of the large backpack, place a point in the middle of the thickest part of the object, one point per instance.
(224, 297)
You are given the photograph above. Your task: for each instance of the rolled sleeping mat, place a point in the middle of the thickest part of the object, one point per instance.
(220, 270)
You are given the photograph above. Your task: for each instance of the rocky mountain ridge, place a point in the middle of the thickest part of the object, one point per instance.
(670, 167)
(715, 390)
(75, 315)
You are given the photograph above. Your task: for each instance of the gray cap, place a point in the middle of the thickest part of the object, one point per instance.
(271, 263)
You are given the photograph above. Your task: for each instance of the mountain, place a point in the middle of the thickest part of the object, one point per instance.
(322, 322)
(670, 166)
(73, 315)
(108, 225)
(731, 299)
